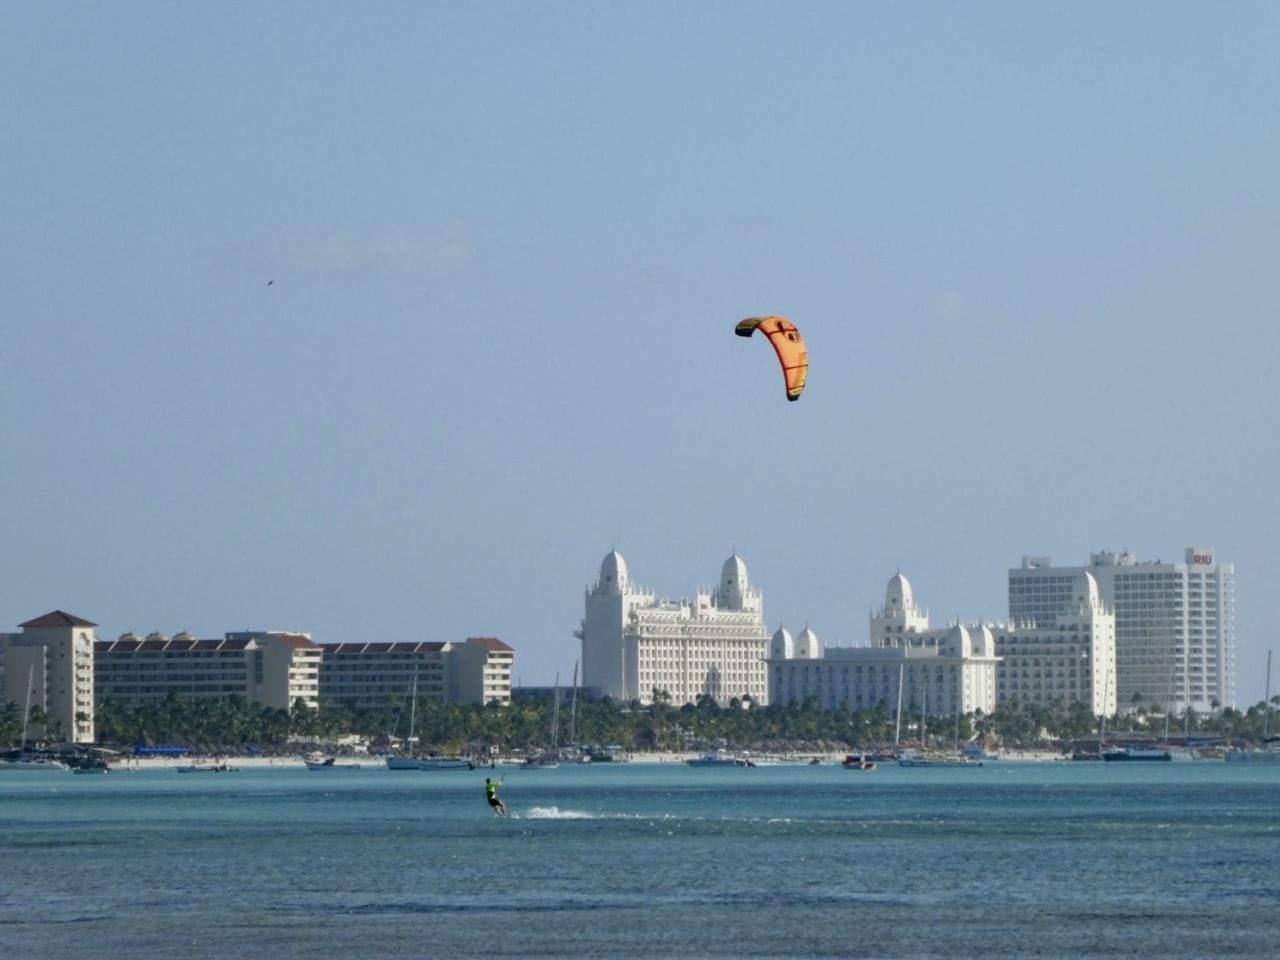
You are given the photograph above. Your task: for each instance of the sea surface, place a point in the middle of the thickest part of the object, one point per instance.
(1013, 859)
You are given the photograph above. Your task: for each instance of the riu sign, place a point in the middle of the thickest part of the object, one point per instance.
(1206, 558)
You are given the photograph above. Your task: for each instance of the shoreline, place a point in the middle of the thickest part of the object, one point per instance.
(650, 758)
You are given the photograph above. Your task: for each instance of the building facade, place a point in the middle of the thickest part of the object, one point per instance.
(274, 668)
(635, 645)
(1174, 622)
(930, 672)
(1066, 657)
(380, 676)
(50, 666)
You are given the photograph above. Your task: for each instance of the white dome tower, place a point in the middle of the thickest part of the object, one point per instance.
(807, 645)
(781, 647)
(897, 596)
(613, 574)
(734, 586)
(899, 615)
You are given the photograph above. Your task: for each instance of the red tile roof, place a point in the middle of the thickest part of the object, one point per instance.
(58, 618)
(296, 641)
(491, 643)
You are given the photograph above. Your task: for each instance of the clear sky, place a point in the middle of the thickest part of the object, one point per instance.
(389, 321)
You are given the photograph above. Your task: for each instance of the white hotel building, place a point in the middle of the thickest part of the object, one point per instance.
(50, 665)
(940, 671)
(1066, 657)
(275, 668)
(380, 676)
(1174, 626)
(634, 644)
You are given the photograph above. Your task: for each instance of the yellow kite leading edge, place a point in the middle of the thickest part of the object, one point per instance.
(788, 345)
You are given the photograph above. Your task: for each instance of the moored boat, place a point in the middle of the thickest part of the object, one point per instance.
(1123, 754)
(430, 763)
(717, 759)
(29, 762)
(330, 763)
(936, 760)
(856, 761)
(1252, 756)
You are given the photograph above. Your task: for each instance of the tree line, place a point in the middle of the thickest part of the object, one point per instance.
(529, 724)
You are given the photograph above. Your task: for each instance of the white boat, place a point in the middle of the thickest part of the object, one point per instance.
(976, 751)
(549, 759)
(546, 760)
(930, 759)
(331, 763)
(30, 762)
(207, 768)
(432, 762)
(1270, 751)
(21, 760)
(718, 759)
(1264, 755)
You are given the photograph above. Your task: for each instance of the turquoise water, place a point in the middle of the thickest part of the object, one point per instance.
(1012, 859)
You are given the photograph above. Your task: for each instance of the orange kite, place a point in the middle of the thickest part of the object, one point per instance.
(788, 345)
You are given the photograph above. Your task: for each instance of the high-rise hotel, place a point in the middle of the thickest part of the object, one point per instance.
(634, 643)
(1174, 631)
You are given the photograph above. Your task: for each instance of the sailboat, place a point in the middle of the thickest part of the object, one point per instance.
(1266, 754)
(896, 752)
(550, 757)
(433, 762)
(925, 757)
(1128, 754)
(1079, 754)
(21, 759)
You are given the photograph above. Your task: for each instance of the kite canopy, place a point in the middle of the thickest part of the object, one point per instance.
(787, 344)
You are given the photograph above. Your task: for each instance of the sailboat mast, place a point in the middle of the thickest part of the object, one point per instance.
(31, 675)
(1266, 703)
(555, 717)
(957, 723)
(573, 711)
(413, 707)
(1102, 722)
(924, 703)
(897, 725)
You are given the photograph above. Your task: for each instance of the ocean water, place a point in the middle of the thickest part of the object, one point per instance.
(1013, 859)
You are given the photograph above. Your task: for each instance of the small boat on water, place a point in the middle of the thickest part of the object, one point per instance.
(546, 760)
(1123, 754)
(936, 760)
(718, 759)
(92, 768)
(1252, 756)
(207, 768)
(331, 763)
(431, 762)
(856, 761)
(29, 762)
(1270, 750)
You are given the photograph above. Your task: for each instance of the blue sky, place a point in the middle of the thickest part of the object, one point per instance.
(1031, 247)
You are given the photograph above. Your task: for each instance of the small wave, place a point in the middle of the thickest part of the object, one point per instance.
(555, 813)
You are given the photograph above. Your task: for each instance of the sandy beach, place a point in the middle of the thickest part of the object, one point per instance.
(645, 757)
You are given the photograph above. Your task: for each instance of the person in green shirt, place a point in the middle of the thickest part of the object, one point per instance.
(491, 792)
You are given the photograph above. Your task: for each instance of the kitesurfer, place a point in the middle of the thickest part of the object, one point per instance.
(491, 792)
